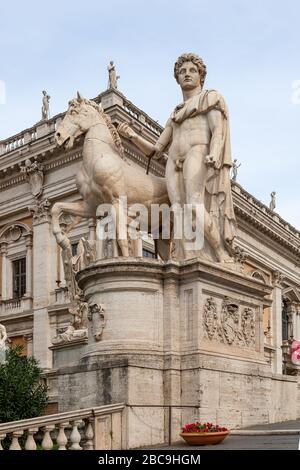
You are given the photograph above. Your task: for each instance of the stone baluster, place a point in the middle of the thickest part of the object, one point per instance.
(89, 435)
(62, 439)
(15, 440)
(2, 436)
(47, 443)
(30, 442)
(75, 436)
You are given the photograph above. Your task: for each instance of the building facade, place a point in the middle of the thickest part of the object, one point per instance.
(34, 305)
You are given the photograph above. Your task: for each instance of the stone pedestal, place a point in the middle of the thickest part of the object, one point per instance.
(176, 343)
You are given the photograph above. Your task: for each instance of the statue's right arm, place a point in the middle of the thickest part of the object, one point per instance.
(145, 146)
(164, 138)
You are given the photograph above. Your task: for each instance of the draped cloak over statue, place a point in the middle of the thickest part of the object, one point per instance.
(218, 187)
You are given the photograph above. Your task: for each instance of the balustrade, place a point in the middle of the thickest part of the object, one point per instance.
(74, 430)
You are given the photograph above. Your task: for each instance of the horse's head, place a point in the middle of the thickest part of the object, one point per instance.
(81, 115)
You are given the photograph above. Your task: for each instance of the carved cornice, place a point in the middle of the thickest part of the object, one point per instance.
(64, 160)
(12, 182)
(271, 232)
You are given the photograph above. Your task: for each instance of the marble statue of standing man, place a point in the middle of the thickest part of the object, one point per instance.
(196, 137)
(112, 76)
(3, 347)
(45, 106)
(273, 201)
(235, 168)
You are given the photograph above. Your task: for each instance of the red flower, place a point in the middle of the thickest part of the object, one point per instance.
(202, 427)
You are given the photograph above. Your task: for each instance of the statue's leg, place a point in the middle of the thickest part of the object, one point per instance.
(78, 209)
(121, 226)
(195, 178)
(175, 188)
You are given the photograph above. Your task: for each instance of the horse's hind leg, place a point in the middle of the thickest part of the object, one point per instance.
(121, 227)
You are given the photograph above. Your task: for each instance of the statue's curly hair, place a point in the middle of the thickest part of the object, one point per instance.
(190, 57)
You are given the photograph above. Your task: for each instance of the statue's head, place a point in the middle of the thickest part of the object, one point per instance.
(44, 92)
(189, 58)
(81, 115)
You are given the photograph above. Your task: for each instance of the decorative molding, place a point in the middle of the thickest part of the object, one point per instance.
(34, 172)
(40, 211)
(248, 326)
(240, 256)
(13, 182)
(14, 231)
(77, 328)
(210, 317)
(278, 278)
(232, 325)
(97, 320)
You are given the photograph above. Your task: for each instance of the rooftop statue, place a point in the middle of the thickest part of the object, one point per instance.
(273, 201)
(112, 76)
(235, 168)
(45, 106)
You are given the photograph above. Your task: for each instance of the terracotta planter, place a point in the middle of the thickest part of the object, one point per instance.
(204, 438)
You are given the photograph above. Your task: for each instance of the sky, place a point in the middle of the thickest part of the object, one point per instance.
(251, 50)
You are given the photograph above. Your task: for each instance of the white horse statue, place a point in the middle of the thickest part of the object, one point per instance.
(105, 175)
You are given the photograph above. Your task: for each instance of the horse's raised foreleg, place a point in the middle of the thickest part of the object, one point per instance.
(78, 209)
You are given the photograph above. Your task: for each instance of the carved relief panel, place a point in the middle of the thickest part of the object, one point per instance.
(229, 323)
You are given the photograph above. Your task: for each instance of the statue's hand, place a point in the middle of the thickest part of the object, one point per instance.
(210, 160)
(125, 130)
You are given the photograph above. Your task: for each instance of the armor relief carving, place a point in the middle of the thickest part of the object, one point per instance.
(229, 323)
(97, 320)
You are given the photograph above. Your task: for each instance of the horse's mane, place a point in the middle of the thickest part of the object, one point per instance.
(114, 133)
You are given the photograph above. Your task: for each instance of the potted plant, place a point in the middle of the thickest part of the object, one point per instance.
(201, 434)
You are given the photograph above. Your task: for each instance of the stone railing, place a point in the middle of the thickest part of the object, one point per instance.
(41, 129)
(15, 305)
(260, 206)
(136, 113)
(87, 429)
